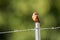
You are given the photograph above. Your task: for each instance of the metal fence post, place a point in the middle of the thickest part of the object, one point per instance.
(37, 31)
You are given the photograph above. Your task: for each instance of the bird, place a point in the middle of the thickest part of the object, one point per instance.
(35, 17)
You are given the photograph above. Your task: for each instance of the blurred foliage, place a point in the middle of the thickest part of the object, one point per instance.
(16, 15)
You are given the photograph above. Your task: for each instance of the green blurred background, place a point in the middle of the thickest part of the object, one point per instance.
(16, 15)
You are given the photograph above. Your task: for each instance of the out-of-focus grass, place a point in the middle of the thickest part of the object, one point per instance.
(16, 14)
(28, 35)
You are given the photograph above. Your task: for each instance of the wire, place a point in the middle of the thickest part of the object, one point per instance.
(50, 28)
(15, 31)
(29, 30)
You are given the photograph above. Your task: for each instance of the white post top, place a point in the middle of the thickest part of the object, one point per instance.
(37, 24)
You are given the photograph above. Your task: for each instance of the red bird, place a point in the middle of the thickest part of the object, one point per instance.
(35, 17)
